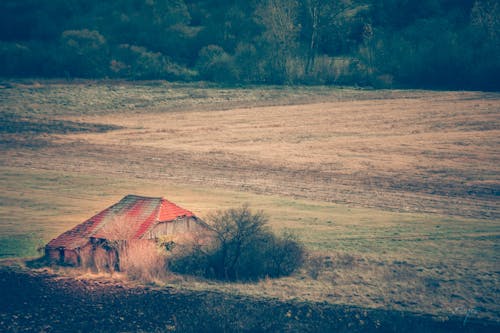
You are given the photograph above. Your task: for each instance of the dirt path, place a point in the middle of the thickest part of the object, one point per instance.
(39, 302)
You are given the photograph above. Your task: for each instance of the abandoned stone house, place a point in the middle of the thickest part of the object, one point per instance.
(133, 218)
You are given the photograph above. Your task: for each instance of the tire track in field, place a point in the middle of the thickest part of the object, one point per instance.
(230, 170)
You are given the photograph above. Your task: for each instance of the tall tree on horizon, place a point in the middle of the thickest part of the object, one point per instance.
(280, 19)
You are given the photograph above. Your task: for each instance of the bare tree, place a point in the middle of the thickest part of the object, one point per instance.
(321, 17)
(234, 230)
(485, 14)
(240, 247)
(313, 9)
(280, 18)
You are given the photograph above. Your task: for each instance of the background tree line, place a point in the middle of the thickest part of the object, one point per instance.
(384, 43)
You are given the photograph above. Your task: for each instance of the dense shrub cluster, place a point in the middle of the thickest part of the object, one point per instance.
(241, 247)
(383, 43)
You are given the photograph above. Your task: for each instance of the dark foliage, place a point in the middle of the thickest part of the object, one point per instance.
(242, 248)
(385, 43)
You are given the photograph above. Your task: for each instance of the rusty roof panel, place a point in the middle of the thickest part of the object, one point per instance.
(130, 218)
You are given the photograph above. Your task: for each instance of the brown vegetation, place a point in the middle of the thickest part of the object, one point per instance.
(398, 188)
(142, 260)
(240, 246)
(424, 152)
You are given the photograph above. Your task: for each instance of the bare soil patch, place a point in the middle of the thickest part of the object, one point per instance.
(44, 302)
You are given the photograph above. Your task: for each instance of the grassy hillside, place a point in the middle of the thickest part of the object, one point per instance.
(393, 192)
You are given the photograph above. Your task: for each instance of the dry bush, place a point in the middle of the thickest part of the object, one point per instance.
(86, 258)
(315, 265)
(118, 228)
(102, 261)
(142, 260)
(343, 260)
(241, 247)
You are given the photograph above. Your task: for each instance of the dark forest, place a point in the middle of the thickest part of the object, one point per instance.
(436, 44)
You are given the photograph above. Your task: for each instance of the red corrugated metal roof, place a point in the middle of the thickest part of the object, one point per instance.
(167, 211)
(130, 218)
(170, 211)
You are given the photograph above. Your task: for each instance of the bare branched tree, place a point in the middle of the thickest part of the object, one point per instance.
(242, 247)
(280, 18)
(234, 230)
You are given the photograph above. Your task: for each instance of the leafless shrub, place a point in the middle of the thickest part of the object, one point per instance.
(115, 250)
(142, 260)
(119, 228)
(104, 259)
(241, 247)
(86, 257)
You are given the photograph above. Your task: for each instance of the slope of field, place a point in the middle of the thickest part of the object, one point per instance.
(398, 150)
(394, 192)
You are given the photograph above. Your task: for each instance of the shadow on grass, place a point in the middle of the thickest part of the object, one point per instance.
(34, 131)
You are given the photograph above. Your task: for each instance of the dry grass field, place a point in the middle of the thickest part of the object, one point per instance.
(395, 193)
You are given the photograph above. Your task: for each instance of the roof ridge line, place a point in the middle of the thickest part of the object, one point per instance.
(141, 196)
